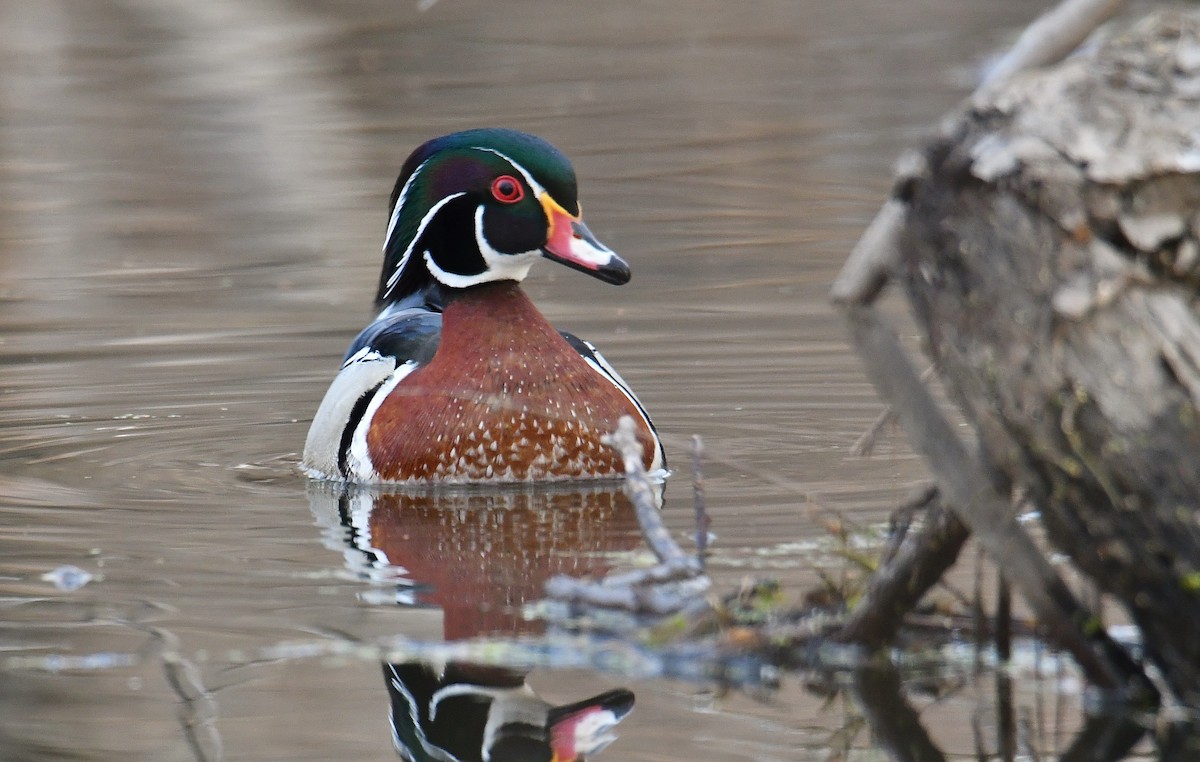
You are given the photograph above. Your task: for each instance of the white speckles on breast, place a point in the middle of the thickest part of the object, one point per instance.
(523, 446)
(514, 402)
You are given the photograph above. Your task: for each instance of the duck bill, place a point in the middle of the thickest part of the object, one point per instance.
(571, 243)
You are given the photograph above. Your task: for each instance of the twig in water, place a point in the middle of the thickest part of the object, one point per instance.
(677, 581)
(702, 520)
(1003, 620)
(865, 444)
(197, 708)
(641, 492)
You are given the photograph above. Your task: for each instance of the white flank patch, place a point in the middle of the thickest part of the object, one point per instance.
(362, 372)
(358, 459)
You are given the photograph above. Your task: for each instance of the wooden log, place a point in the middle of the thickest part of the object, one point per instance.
(1051, 252)
(964, 484)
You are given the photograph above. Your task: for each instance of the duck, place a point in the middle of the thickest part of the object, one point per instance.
(461, 712)
(460, 379)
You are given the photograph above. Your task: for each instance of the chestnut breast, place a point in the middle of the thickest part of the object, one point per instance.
(505, 398)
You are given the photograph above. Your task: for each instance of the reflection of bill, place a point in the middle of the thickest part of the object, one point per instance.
(477, 555)
(472, 713)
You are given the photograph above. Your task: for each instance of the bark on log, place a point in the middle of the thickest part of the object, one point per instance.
(1052, 257)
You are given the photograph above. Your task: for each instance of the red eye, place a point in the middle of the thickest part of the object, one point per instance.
(507, 189)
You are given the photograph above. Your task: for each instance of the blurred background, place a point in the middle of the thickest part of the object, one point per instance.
(193, 197)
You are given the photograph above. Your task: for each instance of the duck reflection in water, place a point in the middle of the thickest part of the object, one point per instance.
(473, 712)
(479, 555)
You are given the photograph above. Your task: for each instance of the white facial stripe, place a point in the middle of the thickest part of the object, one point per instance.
(400, 201)
(496, 259)
(534, 184)
(453, 280)
(499, 266)
(395, 276)
(508, 266)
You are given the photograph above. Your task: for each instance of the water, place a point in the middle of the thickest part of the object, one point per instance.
(192, 198)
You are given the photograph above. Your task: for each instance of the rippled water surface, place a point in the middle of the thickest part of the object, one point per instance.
(192, 198)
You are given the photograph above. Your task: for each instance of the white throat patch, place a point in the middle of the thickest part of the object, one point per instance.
(500, 266)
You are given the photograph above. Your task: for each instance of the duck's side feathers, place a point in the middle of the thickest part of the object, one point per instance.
(399, 337)
(402, 333)
(592, 356)
(359, 377)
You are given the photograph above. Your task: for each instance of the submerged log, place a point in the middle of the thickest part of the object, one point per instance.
(1051, 252)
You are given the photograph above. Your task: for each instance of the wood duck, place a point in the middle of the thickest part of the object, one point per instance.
(460, 378)
(474, 713)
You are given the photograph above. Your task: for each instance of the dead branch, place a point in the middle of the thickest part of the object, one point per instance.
(673, 584)
(1052, 37)
(702, 520)
(898, 586)
(642, 490)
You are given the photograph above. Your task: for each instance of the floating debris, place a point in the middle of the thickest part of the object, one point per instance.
(68, 578)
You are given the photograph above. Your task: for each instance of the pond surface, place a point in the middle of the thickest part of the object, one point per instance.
(192, 199)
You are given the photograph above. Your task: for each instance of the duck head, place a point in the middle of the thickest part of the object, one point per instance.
(483, 205)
